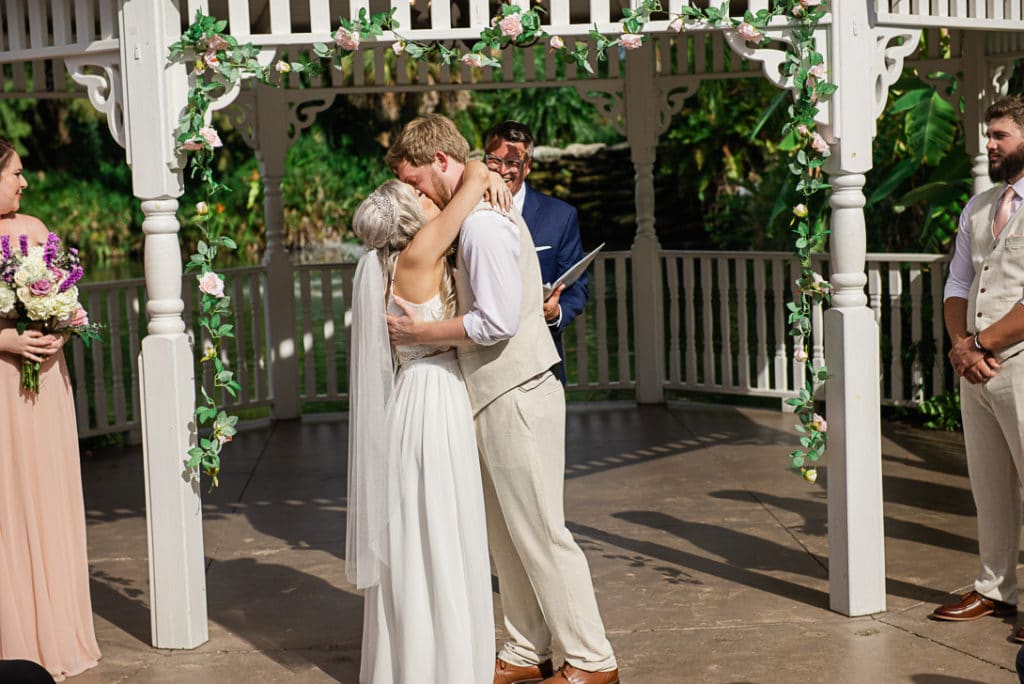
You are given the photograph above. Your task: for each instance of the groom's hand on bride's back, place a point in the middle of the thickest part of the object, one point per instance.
(403, 329)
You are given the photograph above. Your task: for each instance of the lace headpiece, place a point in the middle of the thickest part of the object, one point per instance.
(385, 206)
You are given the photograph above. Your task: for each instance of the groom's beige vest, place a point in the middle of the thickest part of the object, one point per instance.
(998, 266)
(490, 371)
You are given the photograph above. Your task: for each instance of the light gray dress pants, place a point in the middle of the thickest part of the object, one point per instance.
(993, 414)
(547, 594)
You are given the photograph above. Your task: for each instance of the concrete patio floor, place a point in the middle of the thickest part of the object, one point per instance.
(709, 556)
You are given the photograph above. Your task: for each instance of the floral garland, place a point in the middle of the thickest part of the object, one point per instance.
(220, 62)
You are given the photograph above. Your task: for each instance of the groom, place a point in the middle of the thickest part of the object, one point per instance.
(506, 354)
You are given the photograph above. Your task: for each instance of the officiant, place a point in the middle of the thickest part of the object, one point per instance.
(508, 149)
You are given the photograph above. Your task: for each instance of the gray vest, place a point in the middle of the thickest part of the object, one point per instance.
(490, 371)
(998, 266)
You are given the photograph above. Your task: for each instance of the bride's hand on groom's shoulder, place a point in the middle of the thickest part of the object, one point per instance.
(403, 329)
(498, 193)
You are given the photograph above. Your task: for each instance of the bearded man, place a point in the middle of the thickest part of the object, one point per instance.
(984, 316)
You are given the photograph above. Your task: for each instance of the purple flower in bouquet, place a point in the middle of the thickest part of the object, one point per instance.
(23, 243)
(51, 248)
(5, 247)
(74, 275)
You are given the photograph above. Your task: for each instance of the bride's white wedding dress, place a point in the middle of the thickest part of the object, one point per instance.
(430, 617)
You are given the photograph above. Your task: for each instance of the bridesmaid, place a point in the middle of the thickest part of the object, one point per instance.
(45, 609)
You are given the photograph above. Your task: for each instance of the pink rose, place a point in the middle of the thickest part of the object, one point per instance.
(802, 129)
(819, 423)
(282, 67)
(79, 319)
(800, 356)
(473, 59)
(193, 144)
(511, 26)
(347, 40)
(398, 47)
(676, 24)
(818, 144)
(556, 43)
(211, 59)
(212, 284)
(631, 41)
(217, 43)
(810, 3)
(815, 74)
(749, 33)
(210, 137)
(40, 287)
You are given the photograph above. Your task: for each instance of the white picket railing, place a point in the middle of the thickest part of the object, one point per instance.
(725, 332)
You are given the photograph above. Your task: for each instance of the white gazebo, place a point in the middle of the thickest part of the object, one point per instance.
(116, 50)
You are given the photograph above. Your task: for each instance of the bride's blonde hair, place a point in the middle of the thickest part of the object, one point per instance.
(387, 220)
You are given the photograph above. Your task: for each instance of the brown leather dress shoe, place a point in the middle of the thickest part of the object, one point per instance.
(507, 673)
(1018, 635)
(567, 674)
(972, 606)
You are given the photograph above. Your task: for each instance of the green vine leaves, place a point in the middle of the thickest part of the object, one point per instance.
(219, 62)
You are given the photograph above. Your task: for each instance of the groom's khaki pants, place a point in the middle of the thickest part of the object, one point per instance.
(543, 576)
(993, 415)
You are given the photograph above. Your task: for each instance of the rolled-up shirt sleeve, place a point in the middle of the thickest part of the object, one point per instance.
(490, 249)
(961, 269)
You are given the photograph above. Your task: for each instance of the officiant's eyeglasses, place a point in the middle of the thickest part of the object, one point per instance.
(495, 162)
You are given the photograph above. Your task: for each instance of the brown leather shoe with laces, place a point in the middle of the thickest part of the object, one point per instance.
(972, 606)
(507, 673)
(567, 674)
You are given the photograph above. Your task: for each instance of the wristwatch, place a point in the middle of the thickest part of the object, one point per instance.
(977, 344)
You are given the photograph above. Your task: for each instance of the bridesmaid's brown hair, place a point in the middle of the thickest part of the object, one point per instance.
(6, 152)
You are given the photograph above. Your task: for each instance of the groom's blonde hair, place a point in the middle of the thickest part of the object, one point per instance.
(423, 137)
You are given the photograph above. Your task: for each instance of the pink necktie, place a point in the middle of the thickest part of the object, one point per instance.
(1004, 211)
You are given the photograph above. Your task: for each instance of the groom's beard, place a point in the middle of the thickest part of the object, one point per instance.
(442, 193)
(1008, 167)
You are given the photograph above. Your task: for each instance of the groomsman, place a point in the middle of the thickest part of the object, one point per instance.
(552, 223)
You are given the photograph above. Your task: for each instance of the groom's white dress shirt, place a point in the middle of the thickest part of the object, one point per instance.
(490, 244)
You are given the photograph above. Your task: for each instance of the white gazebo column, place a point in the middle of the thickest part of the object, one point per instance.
(854, 459)
(272, 152)
(983, 84)
(641, 109)
(154, 95)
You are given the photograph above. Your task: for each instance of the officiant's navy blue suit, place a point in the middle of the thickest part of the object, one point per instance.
(556, 234)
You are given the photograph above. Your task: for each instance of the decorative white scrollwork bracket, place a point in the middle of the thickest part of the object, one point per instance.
(100, 74)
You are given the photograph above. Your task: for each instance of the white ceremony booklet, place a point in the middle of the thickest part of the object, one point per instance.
(574, 272)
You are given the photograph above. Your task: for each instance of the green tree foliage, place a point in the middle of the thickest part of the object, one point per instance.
(721, 175)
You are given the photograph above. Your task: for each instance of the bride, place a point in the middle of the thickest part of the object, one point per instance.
(416, 537)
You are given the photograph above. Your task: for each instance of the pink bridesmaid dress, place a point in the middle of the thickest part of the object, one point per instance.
(45, 609)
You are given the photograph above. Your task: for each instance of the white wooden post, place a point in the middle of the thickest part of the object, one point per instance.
(272, 151)
(854, 458)
(977, 89)
(154, 95)
(641, 108)
(984, 82)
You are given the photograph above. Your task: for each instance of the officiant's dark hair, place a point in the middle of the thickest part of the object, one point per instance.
(510, 131)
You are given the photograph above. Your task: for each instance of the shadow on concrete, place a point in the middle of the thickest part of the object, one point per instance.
(815, 517)
(286, 613)
(683, 561)
(118, 601)
(745, 555)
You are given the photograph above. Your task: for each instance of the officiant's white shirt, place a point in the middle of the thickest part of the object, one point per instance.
(490, 244)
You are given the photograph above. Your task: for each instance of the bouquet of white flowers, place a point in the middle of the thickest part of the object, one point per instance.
(38, 289)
